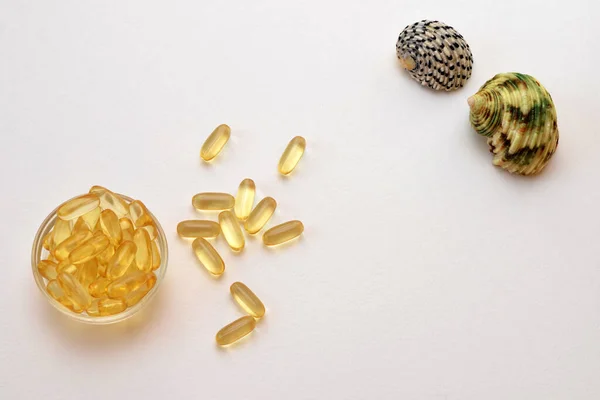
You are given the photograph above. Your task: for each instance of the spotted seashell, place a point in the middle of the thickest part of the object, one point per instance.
(518, 117)
(435, 55)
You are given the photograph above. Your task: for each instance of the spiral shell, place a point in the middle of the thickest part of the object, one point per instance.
(435, 55)
(517, 115)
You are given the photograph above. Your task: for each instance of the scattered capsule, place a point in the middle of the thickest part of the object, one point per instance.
(109, 223)
(111, 306)
(213, 201)
(63, 250)
(138, 294)
(198, 228)
(282, 233)
(110, 200)
(87, 272)
(231, 230)
(48, 269)
(235, 330)
(56, 291)
(89, 249)
(247, 299)
(62, 230)
(208, 256)
(78, 206)
(152, 231)
(121, 260)
(244, 200)
(155, 256)
(128, 283)
(143, 255)
(98, 287)
(261, 214)
(67, 266)
(126, 228)
(74, 291)
(292, 155)
(91, 218)
(139, 214)
(215, 142)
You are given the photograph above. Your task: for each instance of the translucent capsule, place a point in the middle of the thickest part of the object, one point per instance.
(139, 213)
(244, 199)
(74, 290)
(56, 291)
(231, 230)
(292, 155)
(87, 272)
(282, 233)
(78, 206)
(155, 256)
(93, 310)
(235, 330)
(130, 282)
(66, 266)
(143, 255)
(208, 256)
(126, 228)
(104, 257)
(63, 250)
(109, 223)
(61, 231)
(80, 225)
(261, 214)
(151, 229)
(91, 218)
(110, 201)
(138, 294)
(247, 299)
(121, 260)
(48, 241)
(198, 228)
(48, 269)
(213, 201)
(98, 287)
(89, 249)
(215, 142)
(111, 306)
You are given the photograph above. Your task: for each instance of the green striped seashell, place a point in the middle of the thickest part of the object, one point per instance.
(517, 115)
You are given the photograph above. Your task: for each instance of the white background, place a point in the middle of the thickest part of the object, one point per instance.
(424, 272)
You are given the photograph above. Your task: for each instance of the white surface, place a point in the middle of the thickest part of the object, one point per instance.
(424, 271)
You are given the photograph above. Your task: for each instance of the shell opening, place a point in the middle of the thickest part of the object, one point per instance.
(408, 62)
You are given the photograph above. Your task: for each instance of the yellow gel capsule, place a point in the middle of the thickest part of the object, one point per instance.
(247, 299)
(109, 223)
(91, 218)
(48, 241)
(244, 199)
(93, 310)
(110, 201)
(89, 249)
(198, 228)
(121, 260)
(139, 213)
(111, 306)
(57, 292)
(63, 250)
(67, 266)
(235, 330)
(261, 214)
(78, 206)
(208, 256)
(231, 230)
(155, 256)
(282, 233)
(104, 257)
(98, 287)
(61, 231)
(128, 283)
(152, 231)
(48, 269)
(138, 294)
(74, 290)
(80, 225)
(143, 255)
(215, 142)
(126, 228)
(213, 201)
(87, 272)
(292, 155)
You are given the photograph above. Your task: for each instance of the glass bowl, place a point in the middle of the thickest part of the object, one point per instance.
(38, 250)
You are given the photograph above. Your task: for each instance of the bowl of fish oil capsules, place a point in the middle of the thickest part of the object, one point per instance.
(100, 257)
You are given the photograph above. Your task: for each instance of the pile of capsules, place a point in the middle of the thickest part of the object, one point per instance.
(253, 221)
(101, 254)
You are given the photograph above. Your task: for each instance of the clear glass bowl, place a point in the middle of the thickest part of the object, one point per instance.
(38, 250)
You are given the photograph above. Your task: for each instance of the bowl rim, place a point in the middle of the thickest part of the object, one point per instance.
(36, 253)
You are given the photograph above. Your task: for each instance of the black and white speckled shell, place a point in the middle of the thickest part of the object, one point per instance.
(435, 55)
